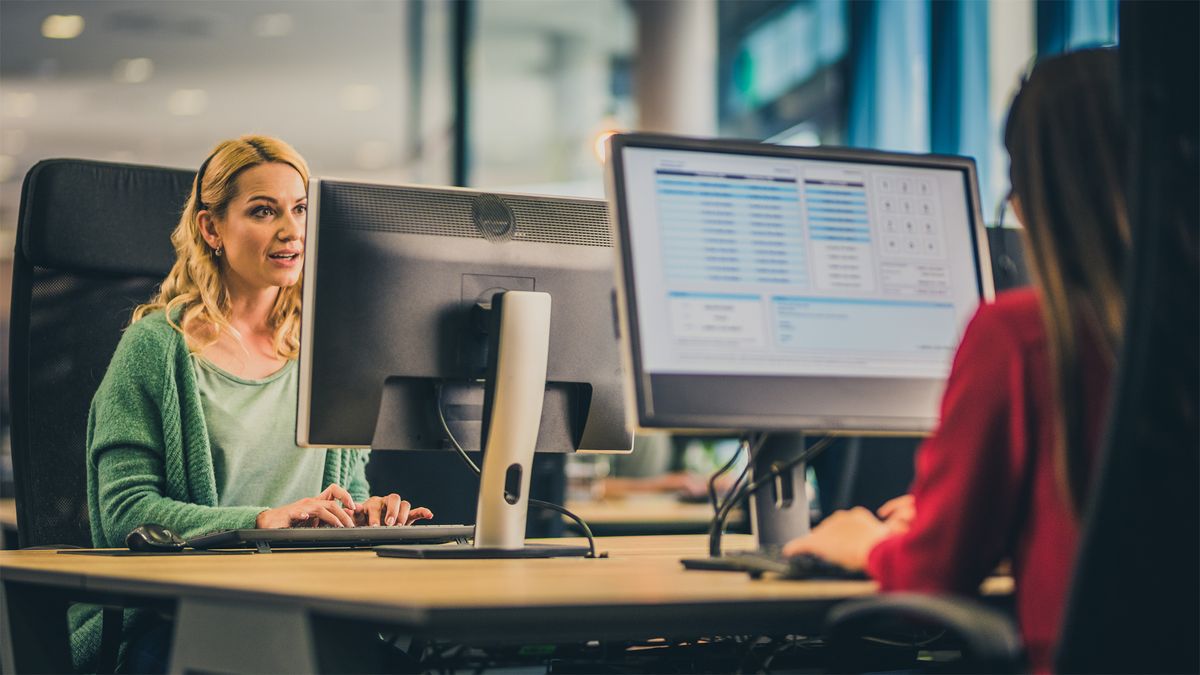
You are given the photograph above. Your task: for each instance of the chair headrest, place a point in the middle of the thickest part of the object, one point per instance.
(101, 217)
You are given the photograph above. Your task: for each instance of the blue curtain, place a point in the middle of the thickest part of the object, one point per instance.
(889, 82)
(1063, 25)
(919, 71)
(919, 78)
(960, 115)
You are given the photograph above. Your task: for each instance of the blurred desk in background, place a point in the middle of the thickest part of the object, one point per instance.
(649, 514)
(8, 523)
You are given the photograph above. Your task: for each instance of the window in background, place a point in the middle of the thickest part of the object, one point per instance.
(781, 70)
(1011, 48)
(360, 87)
(545, 81)
(912, 75)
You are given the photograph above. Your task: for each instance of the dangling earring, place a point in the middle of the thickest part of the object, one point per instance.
(219, 251)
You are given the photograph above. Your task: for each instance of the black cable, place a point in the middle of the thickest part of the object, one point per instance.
(743, 443)
(754, 446)
(722, 513)
(737, 497)
(587, 531)
(446, 427)
(718, 523)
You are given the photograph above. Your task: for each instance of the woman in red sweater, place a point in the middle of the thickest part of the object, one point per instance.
(1006, 473)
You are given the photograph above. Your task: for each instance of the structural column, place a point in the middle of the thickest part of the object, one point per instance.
(675, 76)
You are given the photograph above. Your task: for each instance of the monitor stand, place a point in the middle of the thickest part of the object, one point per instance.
(779, 512)
(517, 385)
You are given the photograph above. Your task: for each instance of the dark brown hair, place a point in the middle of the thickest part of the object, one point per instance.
(1066, 144)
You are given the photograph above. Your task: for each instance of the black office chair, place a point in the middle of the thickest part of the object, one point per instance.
(93, 240)
(1134, 605)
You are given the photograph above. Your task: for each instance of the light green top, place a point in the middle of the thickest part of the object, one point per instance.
(252, 432)
(149, 458)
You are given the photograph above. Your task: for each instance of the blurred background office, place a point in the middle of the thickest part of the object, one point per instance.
(511, 94)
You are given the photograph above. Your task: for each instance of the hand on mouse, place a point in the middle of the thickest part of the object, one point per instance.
(334, 507)
(389, 510)
(844, 538)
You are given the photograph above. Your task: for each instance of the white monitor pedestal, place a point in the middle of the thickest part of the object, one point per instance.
(519, 380)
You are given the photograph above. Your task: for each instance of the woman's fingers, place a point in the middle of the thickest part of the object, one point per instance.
(375, 509)
(331, 512)
(345, 517)
(391, 508)
(326, 516)
(896, 505)
(419, 513)
(335, 491)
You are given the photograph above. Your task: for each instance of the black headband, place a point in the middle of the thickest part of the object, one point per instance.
(200, 180)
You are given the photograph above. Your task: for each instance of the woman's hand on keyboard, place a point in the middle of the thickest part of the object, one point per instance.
(334, 507)
(899, 513)
(844, 538)
(389, 510)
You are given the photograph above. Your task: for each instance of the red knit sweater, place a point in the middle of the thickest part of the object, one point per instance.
(985, 486)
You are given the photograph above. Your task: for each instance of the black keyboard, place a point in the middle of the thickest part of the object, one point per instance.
(333, 537)
(758, 563)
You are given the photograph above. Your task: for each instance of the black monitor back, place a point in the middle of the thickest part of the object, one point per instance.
(395, 278)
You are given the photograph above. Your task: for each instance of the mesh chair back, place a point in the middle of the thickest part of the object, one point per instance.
(93, 241)
(1134, 605)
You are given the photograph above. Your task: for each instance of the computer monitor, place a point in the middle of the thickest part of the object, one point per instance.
(411, 294)
(792, 289)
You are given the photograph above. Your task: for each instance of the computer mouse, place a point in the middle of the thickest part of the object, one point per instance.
(153, 538)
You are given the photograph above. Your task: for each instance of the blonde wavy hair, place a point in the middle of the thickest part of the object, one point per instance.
(195, 287)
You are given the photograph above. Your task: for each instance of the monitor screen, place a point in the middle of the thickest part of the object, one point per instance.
(769, 287)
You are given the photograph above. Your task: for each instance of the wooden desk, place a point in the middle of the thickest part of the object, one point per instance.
(289, 611)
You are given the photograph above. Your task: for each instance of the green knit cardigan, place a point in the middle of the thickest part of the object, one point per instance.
(147, 416)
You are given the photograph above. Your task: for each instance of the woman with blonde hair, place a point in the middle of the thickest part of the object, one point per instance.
(193, 426)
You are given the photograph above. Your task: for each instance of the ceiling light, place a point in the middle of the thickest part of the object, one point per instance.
(19, 104)
(133, 71)
(273, 25)
(62, 26)
(359, 97)
(187, 102)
